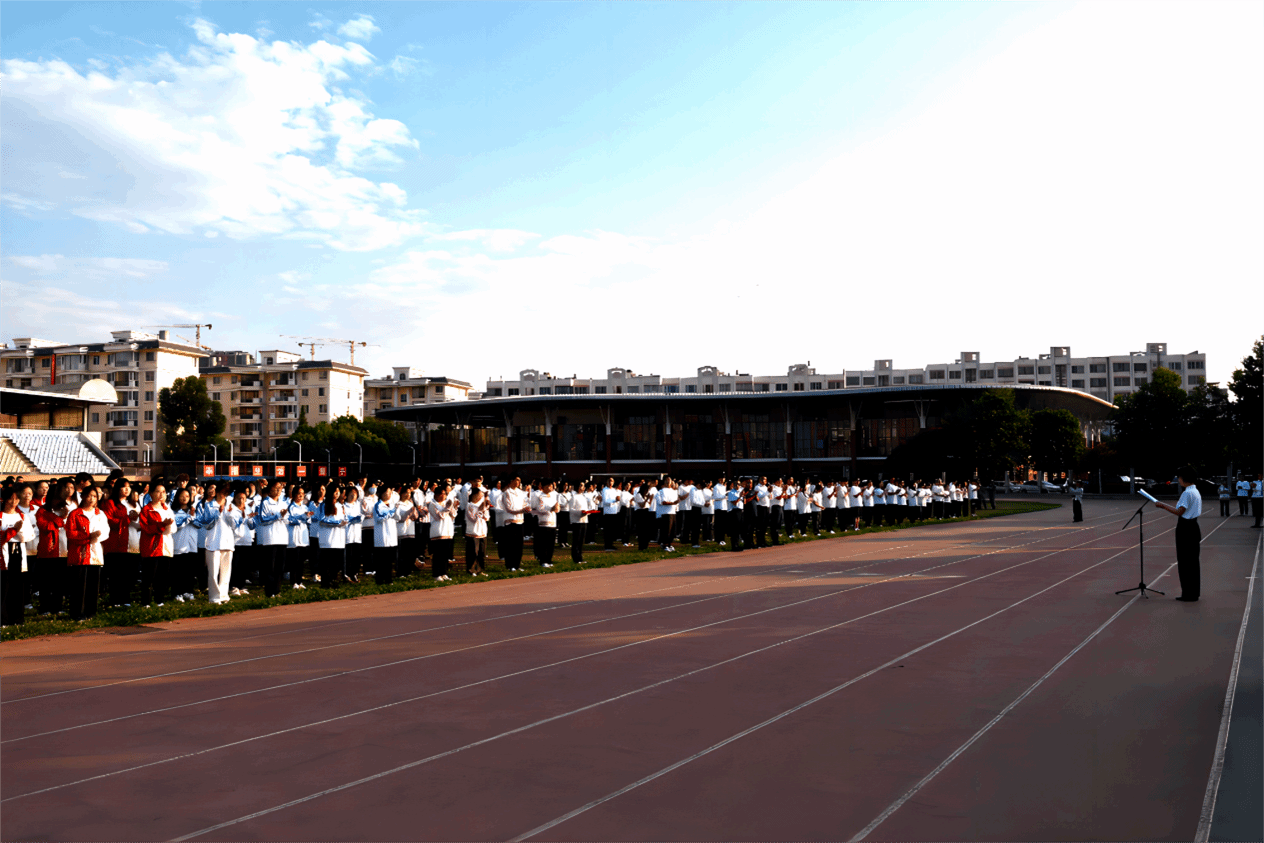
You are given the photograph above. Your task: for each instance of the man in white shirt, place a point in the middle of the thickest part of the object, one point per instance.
(763, 511)
(720, 494)
(582, 506)
(545, 509)
(611, 503)
(1244, 495)
(693, 521)
(776, 514)
(1188, 534)
(790, 507)
(626, 512)
(667, 506)
(513, 502)
(708, 511)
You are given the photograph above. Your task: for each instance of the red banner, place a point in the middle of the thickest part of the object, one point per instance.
(342, 471)
(208, 471)
(234, 471)
(256, 470)
(300, 471)
(280, 471)
(322, 470)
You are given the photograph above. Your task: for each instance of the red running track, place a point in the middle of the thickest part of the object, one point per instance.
(802, 692)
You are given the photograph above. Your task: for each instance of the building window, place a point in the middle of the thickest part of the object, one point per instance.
(869, 381)
(783, 387)
(632, 389)
(672, 388)
(304, 375)
(304, 393)
(1194, 379)
(544, 390)
(581, 390)
(1174, 366)
(149, 375)
(96, 360)
(898, 380)
(1097, 368)
(149, 396)
(513, 390)
(1026, 370)
(494, 392)
(725, 387)
(937, 374)
(149, 415)
(149, 356)
(1077, 383)
(954, 376)
(763, 387)
(1077, 370)
(598, 390)
(321, 392)
(1123, 381)
(798, 387)
(1138, 367)
(1005, 373)
(987, 374)
(835, 384)
(149, 436)
(745, 386)
(439, 390)
(916, 379)
(324, 376)
(324, 408)
(1044, 370)
(1196, 364)
(45, 362)
(1120, 367)
(1140, 381)
(815, 385)
(690, 388)
(853, 380)
(1046, 383)
(96, 419)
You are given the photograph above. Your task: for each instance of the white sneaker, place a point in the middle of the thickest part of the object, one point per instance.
(161, 604)
(235, 592)
(179, 598)
(300, 585)
(721, 544)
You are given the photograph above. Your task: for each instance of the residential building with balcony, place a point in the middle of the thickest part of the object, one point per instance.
(136, 364)
(407, 387)
(264, 394)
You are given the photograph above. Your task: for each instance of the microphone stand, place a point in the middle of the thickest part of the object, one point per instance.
(1140, 516)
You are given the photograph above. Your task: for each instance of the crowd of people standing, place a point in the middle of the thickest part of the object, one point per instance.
(73, 544)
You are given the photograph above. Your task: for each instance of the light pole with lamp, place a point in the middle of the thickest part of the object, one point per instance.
(360, 465)
(414, 450)
(215, 457)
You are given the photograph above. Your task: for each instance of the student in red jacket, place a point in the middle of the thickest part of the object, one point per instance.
(16, 530)
(157, 546)
(86, 528)
(50, 562)
(121, 566)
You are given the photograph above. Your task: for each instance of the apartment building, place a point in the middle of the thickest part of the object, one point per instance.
(406, 387)
(1104, 377)
(263, 394)
(138, 365)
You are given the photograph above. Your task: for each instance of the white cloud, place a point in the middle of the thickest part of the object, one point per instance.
(60, 313)
(239, 137)
(359, 28)
(91, 269)
(403, 66)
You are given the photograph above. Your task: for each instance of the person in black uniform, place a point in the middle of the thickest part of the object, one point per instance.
(1188, 535)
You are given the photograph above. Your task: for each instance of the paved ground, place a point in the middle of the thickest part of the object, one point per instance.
(975, 681)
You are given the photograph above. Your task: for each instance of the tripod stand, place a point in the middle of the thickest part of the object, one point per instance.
(1139, 515)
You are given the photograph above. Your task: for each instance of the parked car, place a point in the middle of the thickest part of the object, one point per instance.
(1005, 487)
(1039, 487)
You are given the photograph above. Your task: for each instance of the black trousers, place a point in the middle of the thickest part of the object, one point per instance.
(150, 568)
(352, 563)
(272, 567)
(762, 519)
(693, 526)
(83, 585)
(406, 553)
(1077, 510)
(814, 522)
(384, 561)
(564, 527)
(511, 546)
(578, 531)
(775, 516)
(48, 577)
(1188, 537)
(1242, 504)
(720, 524)
(243, 565)
(440, 554)
(332, 561)
(1224, 508)
(295, 562)
(1257, 510)
(707, 520)
(545, 542)
(645, 528)
(792, 520)
(666, 527)
(475, 554)
(120, 575)
(13, 593)
(610, 529)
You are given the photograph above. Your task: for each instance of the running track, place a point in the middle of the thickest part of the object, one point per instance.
(960, 682)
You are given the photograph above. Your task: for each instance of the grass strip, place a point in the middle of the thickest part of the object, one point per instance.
(121, 619)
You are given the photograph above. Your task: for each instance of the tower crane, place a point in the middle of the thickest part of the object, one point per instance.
(312, 342)
(197, 337)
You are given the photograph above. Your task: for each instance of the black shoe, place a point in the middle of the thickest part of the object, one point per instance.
(1188, 599)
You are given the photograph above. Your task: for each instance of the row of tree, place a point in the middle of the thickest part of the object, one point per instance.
(1156, 429)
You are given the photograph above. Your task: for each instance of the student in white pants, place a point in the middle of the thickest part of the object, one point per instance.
(221, 541)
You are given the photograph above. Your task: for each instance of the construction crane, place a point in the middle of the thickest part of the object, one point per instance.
(312, 342)
(197, 337)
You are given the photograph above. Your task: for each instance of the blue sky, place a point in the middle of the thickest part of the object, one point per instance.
(479, 188)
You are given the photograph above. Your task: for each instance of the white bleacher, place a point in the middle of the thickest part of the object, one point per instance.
(59, 451)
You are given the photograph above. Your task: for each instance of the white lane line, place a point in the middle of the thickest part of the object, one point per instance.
(658, 684)
(877, 539)
(559, 629)
(565, 661)
(733, 738)
(1217, 764)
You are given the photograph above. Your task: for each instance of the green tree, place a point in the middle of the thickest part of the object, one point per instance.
(191, 421)
(381, 440)
(1057, 441)
(1209, 429)
(1151, 425)
(990, 433)
(1247, 386)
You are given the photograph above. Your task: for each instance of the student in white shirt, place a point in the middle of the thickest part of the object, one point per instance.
(1225, 494)
(708, 511)
(866, 497)
(879, 511)
(545, 509)
(477, 512)
(513, 502)
(443, 508)
(790, 507)
(385, 516)
(564, 514)
(16, 530)
(668, 499)
(273, 535)
(298, 552)
(221, 542)
(1188, 535)
(626, 528)
(775, 511)
(1244, 495)
(644, 500)
(611, 503)
(829, 493)
(720, 496)
(582, 506)
(333, 539)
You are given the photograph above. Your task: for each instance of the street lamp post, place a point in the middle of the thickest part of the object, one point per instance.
(360, 468)
(215, 456)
